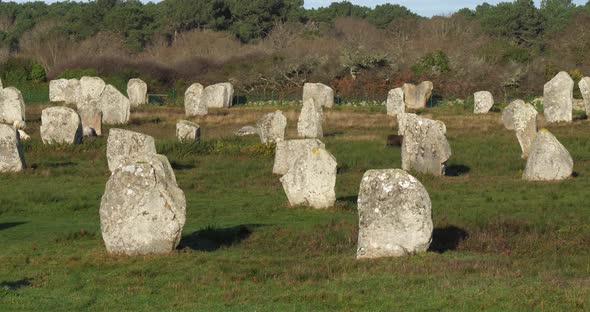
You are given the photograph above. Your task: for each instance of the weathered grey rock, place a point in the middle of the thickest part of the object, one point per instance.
(395, 215)
(311, 180)
(137, 92)
(508, 113)
(91, 88)
(416, 97)
(395, 102)
(247, 130)
(12, 105)
(143, 210)
(194, 104)
(218, 95)
(287, 152)
(320, 93)
(11, 152)
(73, 92)
(548, 159)
(57, 90)
(114, 106)
(425, 147)
(483, 102)
(91, 118)
(310, 120)
(187, 131)
(124, 146)
(271, 127)
(558, 97)
(60, 125)
(584, 85)
(525, 125)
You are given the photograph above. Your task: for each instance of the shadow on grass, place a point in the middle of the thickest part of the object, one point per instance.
(447, 238)
(181, 166)
(349, 199)
(211, 239)
(333, 133)
(55, 164)
(4, 226)
(14, 285)
(456, 170)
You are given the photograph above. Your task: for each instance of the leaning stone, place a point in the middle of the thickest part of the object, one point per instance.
(395, 102)
(525, 125)
(558, 97)
(114, 106)
(548, 159)
(246, 130)
(11, 152)
(425, 148)
(187, 131)
(124, 146)
(91, 118)
(416, 97)
(287, 152)
(57, 90)
(311, 180)
(320, 93)
(194, 105)
(91, 88)
(60, 125)
(137, 92)
(310, 120)
(143, 210)
(218, 95)
(271, 127)
(483, 102)
(585, 90)
(12, 105)
(508, 114)
(395, 215)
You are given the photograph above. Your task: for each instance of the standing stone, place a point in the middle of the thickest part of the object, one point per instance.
(11, 153)
(416, 97)
(585, 90)
(508, 113)
(143, 210)
(91, 118)
(320, 93)
(187, 131)
(525, 125)
(311, 180)
(73, 92)
(12, 105)
(60, 125)
(218, 95)
(114, 106)
(558, 97)
(310, 120)
(271, 127)
(124, 146)
(91, 88)
(425, 148)
(194, 105)
(287, 152)
(57, 90)
(395, 102)
(548, 159)
(395, 215)
(483, 102)
(137, 92)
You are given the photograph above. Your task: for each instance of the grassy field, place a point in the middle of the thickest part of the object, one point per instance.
(500, 243)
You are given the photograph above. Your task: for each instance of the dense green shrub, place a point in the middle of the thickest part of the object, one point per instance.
(436, 62)
(19, 70)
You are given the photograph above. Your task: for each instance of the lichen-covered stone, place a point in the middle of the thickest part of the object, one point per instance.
(395, 102)
(320, 93)
(483, 102)
(525, 125)
(416, 97)
(73, 92)
(548, 159)
(558, 97)
(194, 105)
(12, 105)
(218, 95)
(11, 152)
(187, 131)
(114, 106)
(91, 88)
(124, 146)
(508, 114)
(584, 85)
(60, 125)
(57, 90)
(137, 92)
(271, 127)
(310, 120)
(91, 118)
(287, 152)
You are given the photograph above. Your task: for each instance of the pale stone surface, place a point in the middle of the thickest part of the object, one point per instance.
(11, 152)
(187, 131)
(12, 105)
(525, 125)
(425, 148)
(416, 97)
(287, 152)
(91, 88)
(114, 106)
(271, 127)
(19, 124)
(143, 210)
(137, 92)
(585, 90)
(73, 92)
(23, 135)
(91, 118)
(395, 102)
(311, 180)
(57, 90)
(320, 93)
(218, 95)
(194, 105)
(508, 114)
(548, 159)
(60, 125)
(558, 97)
(395, 215)
(310, 120)
(124, 146)
(483, 102)
(247, 130)
(1, 86)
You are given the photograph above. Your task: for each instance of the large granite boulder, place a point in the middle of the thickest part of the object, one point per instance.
(425, 148)
(558, 97)
(395, 215)
(187, 131)
(395, 102)
(320, 93)
(57, 90)
(91, 88)
(143, 210)
(218, 95)
(548, 159)
(584, 85)
(525, 125)
(11, 153)
(115, 107)
(60, 125)
(416, 97)
(124, 146)
(91, 118)
(508, 113)
(73, 92)
(311, 180)
(287, 152)
(483, 102)
(194, 105)
(271, 127)
(12, 106)
(310, 120)
(137, 92)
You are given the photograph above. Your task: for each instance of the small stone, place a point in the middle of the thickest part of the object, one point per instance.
(558, 97)
(137, 92)
(11, 152)
(60, 125)
(548, 159)
(271, 127)
(247, 130)
(483, 102)
(12, 105)
(187, 131)
(125, 146)
(194, 105)
(395, 102)
(322, 95)
(310, 120)
(287, 152)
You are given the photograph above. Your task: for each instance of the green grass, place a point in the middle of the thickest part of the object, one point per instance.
(500, 243)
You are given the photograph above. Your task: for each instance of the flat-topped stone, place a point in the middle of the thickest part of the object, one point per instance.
(137, 92)
(287, 152)
(60, 125)
(125, 146)
(187, 131)
(320, 93)
(11, 153)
